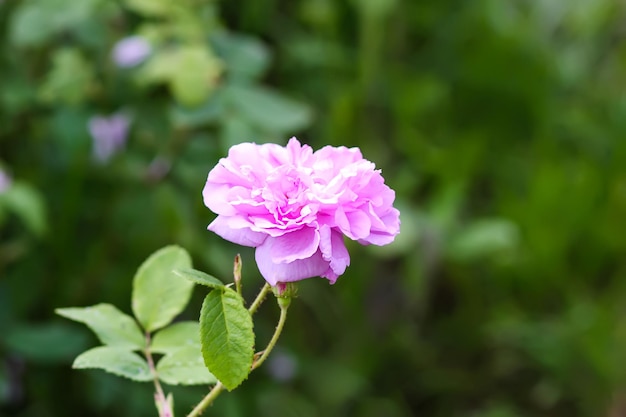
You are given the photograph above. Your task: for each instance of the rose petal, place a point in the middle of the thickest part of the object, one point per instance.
(335, 252)
(220, 197)
(234, 231)
(360, 225)
(299, 244)
(288, 272)
(384, 236)
(299, 154)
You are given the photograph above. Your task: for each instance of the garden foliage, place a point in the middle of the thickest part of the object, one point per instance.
(500, 125)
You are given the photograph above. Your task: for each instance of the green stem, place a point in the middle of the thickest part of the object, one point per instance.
(277, 332)
(159, 396)
(207, 401)
(259, 298)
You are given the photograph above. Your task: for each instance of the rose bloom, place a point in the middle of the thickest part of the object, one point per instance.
(295, 205)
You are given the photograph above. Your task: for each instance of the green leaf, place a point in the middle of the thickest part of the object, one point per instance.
(153, 8)
(112, 327)
(484, 237)
(27, 204)
(184, 366)
(158, 295)
(268, 109)
(159, 68)
(199, 277)
(245, 57)
(193, 86)
(227, 337)
(210, 111)
(31, 25)
(70, 78)
(236, 130)
(37, 22)
(115, 360)
(176, 336)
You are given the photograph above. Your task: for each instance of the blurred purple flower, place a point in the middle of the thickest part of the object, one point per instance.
(282, 366)
(131, 51)
(109, 135)
(5, 179)
(295, 206)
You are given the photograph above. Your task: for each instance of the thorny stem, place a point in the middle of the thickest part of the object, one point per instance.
(207, 401)
(259, 298)
(272, 343)
(159, 396)
(218, 388)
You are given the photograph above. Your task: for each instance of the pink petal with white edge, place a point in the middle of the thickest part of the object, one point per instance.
(299, 244)
(234, 230)
(288, 272)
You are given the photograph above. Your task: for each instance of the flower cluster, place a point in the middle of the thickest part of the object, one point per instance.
(295, 206)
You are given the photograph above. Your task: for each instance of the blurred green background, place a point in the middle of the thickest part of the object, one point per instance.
(499, 123)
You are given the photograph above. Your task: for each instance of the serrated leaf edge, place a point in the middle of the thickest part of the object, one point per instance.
(131, 344)
(187, 274)
(170, 382)
(229, 387)
(144, 265)
(120, 349)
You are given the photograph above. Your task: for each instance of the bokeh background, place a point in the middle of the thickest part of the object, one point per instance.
(500, 124)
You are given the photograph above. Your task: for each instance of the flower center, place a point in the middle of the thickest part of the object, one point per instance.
(285, 194)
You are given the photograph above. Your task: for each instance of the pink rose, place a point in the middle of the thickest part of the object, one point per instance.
(295, 205)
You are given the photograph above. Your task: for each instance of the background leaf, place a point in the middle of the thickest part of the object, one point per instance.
(26, 203)
(193, 86)
(158, 294)
(511, 111)
(70, 79)
(268, 109)
(184, 366)
(227, 337)
(208, 112)
(245, 57)
(37, 21)
(115, 360)
(156, 8)
(112, 327)
(484, 237)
